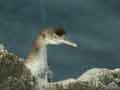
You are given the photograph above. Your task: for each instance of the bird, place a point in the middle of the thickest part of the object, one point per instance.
(32, 72)
(36, 60)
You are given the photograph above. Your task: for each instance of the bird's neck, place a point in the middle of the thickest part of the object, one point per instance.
(36, 61)
(37, 55)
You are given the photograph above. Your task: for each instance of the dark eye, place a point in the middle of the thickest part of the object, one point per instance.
(59, 31)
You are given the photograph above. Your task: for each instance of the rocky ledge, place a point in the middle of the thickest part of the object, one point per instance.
(15, 76)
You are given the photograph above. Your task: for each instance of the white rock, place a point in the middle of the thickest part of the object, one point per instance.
(97, 76)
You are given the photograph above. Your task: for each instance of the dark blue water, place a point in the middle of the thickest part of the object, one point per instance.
(93, 24)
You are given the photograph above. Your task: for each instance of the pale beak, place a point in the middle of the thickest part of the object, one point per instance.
(68, 42)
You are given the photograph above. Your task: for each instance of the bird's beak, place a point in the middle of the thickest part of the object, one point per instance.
(68, 42)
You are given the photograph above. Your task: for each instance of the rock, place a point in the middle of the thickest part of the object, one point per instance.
(93, 79)
(15, 76)
(97, 77)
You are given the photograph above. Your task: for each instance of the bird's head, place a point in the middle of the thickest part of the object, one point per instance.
(54, 36)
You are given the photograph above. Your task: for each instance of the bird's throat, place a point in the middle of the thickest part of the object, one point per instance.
(36, 62)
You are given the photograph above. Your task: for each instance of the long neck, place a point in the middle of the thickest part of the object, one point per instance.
(37, 55)
(36, 61)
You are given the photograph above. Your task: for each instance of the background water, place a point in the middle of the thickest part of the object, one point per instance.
(93, 24)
